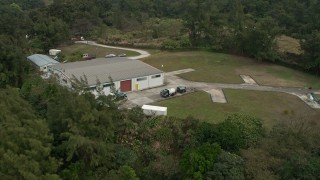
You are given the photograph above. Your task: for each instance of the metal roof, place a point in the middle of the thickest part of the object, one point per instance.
(102, 68)
(41, 60)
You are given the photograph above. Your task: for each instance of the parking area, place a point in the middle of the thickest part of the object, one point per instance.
(148, 96)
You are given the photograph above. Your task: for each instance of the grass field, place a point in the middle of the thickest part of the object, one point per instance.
(98, 51)
(223, 68)
(268, 106)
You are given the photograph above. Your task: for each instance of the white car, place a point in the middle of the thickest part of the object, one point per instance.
(110, 55)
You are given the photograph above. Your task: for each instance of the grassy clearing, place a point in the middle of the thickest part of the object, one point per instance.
(268, 106)
(98, 51)
(223, 68)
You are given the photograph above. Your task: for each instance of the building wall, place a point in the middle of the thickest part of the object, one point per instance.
(144, 82)
(148, 82)
(141, 82)
(107, 88)
(154, 80)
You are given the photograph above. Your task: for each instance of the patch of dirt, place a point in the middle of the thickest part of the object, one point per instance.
(288, 44)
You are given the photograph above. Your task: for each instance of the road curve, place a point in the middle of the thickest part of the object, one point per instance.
(143, 54)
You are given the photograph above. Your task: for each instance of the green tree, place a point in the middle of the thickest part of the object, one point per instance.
(26, 141)
(124, 173)
(228, 166)
(240, 131)
(196, 162)
(258, 40)
(13, 67)
(84, 130)
(311, 47)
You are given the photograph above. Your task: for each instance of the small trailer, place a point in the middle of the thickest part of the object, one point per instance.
(149, 110)
(54, 52)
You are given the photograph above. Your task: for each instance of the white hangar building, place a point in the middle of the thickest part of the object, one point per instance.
(42, 61)
(127, 74)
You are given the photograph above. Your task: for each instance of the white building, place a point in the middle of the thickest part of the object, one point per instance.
(126, 74)
(42, 61)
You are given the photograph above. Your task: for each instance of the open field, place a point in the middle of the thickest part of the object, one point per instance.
(223, 68)
(268, 106)
(98, 51)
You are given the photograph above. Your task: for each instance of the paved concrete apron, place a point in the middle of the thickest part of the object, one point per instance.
(217, 95)
(248, 80)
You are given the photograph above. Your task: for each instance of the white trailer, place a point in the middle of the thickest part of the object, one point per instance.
(154, 110)
(54, 52)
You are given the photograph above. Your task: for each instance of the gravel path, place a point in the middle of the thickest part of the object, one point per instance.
(143, 54)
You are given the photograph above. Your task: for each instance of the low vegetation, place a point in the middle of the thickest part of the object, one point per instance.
(223, 68)
(269, 106)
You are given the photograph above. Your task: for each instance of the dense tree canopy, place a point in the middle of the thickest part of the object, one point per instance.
(50, 132)
(26, 141)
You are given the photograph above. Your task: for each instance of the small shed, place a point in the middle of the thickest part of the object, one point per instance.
(42, 61)
(54, 52)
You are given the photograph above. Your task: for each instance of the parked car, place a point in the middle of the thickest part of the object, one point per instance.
(122, 55)
(119, 95)
(110, 55)
(88, 56)
(167, 92)
(181, 89)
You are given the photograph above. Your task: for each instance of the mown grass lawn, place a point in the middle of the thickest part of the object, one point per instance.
(223, 68)
(269, 106)
(98, 51)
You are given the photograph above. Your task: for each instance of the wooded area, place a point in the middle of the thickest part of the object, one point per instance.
(49, 132)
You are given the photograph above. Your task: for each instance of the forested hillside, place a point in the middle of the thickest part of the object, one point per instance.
(50, 132)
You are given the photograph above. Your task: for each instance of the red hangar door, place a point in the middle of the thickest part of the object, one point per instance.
(125, 86)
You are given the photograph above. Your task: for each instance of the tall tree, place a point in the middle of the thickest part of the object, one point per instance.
(26, 141)
(311, 47)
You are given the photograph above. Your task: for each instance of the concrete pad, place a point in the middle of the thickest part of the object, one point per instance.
(217, 95)
(179, 71)
(141, 101)
(248, 80)
(306, 99)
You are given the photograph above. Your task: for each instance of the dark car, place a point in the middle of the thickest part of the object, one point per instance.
(119, 95)
(181, 89)
(164, 93)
